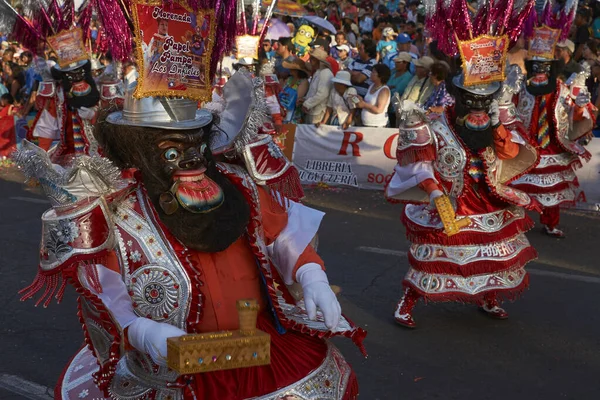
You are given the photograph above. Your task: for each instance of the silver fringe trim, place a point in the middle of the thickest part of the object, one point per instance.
(60, 183)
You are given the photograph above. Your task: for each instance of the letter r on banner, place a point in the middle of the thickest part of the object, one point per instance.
(354, 143)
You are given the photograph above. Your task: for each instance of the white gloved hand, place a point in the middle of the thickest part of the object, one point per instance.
(86, 113)
(318, 293)
(434, 195)
(150, 337)
(494, 113)
(516, 138)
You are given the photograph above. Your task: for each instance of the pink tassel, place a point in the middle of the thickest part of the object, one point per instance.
(85, 19)
(116, 28)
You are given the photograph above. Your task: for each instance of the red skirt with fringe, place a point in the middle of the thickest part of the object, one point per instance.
(485, 260)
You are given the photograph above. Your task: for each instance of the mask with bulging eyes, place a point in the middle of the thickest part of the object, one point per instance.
(186, 162)
(474, 108)
(541, 76)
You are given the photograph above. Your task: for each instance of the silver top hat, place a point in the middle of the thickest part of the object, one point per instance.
(161, 113)
(482, 90)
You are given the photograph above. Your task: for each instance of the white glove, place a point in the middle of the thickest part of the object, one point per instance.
(434, 195)
(516, 138)
(150, 337)
(494, 113)
(318, 293)
(86, 113)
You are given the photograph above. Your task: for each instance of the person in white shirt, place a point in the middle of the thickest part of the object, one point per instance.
(377, 100)
(315, 103)
(366, 22)
(411, 15)
(340, 105)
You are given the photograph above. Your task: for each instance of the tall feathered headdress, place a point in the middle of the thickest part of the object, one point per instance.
(44, 18)
(450, 21)
(548, 24)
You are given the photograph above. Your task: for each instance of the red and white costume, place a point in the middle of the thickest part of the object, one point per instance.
(486, 260)
(554, 123)
(104, 236)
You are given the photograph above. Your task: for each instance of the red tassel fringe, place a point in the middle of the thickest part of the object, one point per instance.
(564, 185)
(417, 234)
(478, 299)
(54, 282)
(288, 185)
(411, 155)
(476, 267)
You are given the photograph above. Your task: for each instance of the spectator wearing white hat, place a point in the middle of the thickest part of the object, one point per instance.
(387, 44)
(340, 105)
(343, 56)
(567, 65)
(315, 104)
(420, 86)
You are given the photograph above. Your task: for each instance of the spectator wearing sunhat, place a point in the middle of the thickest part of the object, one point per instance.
(420, 86)
(340, 104)
(564, 54)
(246, 62)
(401, 75)
(315, 104)
(387, 44)
(295, 88)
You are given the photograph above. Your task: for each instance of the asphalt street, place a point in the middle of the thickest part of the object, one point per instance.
(548, 349)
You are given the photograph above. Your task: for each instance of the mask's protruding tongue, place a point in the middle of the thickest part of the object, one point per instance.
(477, 121)
(539, 80)
(197, 193)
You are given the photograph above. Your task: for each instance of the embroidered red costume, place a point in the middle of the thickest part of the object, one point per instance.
(139, 284)
(485, 261)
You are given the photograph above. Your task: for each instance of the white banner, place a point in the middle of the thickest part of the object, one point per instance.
(358, 157)
(365, 158)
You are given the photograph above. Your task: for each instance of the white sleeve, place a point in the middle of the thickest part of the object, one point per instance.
(302, 226)
(409, 176)
(320, 97)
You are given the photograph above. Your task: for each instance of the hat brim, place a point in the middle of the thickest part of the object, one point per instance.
(321, 59)
(203, 118)
(343, 82)
(482, 90)
(288, 65)
(418, 64)
(70, 67)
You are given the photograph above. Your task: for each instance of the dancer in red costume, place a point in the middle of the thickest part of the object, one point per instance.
(466, 226)
(167, 248)
(556, 115)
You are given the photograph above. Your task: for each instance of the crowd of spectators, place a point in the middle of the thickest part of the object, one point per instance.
(381, 51)
(350, 76)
